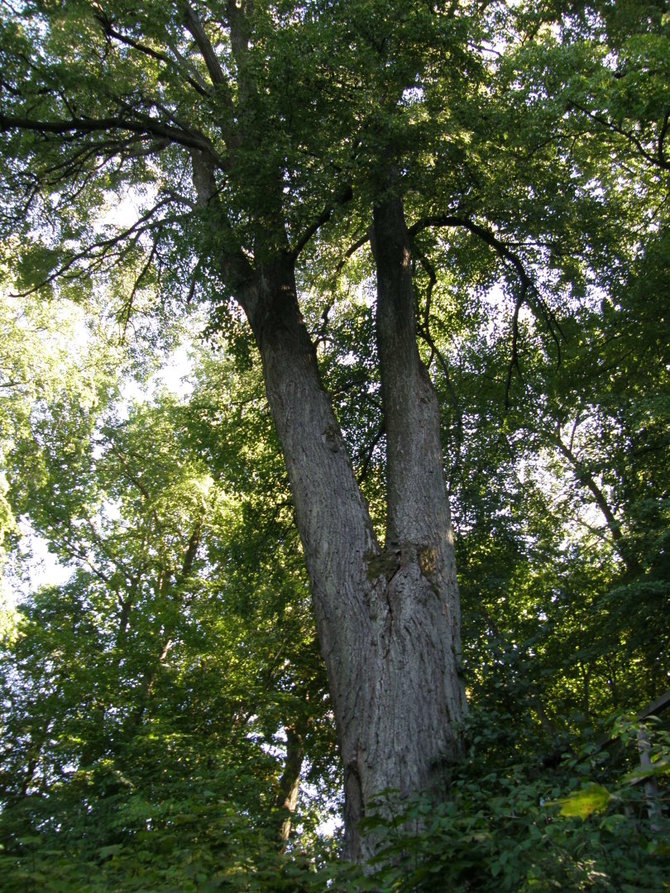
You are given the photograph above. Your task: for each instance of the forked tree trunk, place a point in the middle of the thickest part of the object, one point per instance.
(388, 619)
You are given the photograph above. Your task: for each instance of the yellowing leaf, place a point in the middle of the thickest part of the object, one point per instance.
(592, 798)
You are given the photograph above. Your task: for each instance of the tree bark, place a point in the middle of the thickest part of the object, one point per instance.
(387, 619)
(289, 783)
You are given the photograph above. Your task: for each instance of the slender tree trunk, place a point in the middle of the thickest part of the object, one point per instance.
(651, 791)
(289, 783)
(585, 478)
(151, 673)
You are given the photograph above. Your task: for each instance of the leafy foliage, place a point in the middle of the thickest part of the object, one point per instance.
(156, 708)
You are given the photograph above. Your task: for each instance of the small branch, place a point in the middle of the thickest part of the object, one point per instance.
(351, 250)
(151, 674)
(588, 481)
(659, 161)
(194, 78)
(320, 336)
(129, 475)
(486, 235)
(432, 282)
(190, 553)
(98, 251)
(194, 281)
(661, 140)
(131, 298)
(529, 293)
(363, 473)
(340, 198)
(514, 359)
(110, 32)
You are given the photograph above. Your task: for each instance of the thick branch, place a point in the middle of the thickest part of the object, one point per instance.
(237, 12)
(146, 127)
(417, 500)
(203, 43)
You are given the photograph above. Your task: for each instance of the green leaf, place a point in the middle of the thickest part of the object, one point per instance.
(106, 852)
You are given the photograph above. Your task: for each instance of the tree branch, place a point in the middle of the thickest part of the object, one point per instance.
(363, 473)
(110, 32)
(98, 251)
(528, 287)
(146, 128)
(585, 478)
(486, 235)
(197, 32)
(661, 140)
(657, 160)
(344, 195)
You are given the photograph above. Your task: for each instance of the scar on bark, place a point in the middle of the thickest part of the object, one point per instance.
(428, 561)
(386, 564)
(397, 555)
(332, 438)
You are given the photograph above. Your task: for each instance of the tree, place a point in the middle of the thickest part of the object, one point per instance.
(143, 701)
(257, 136)
(387, 617)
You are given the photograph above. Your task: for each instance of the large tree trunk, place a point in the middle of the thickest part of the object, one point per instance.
(387, 620)
(332, 517)
(420, 702)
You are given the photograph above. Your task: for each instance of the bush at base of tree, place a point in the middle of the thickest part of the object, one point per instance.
(593, 823)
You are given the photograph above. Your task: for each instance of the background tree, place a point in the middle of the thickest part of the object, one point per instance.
(150, 704)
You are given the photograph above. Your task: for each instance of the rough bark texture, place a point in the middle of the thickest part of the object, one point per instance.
(387, 619)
